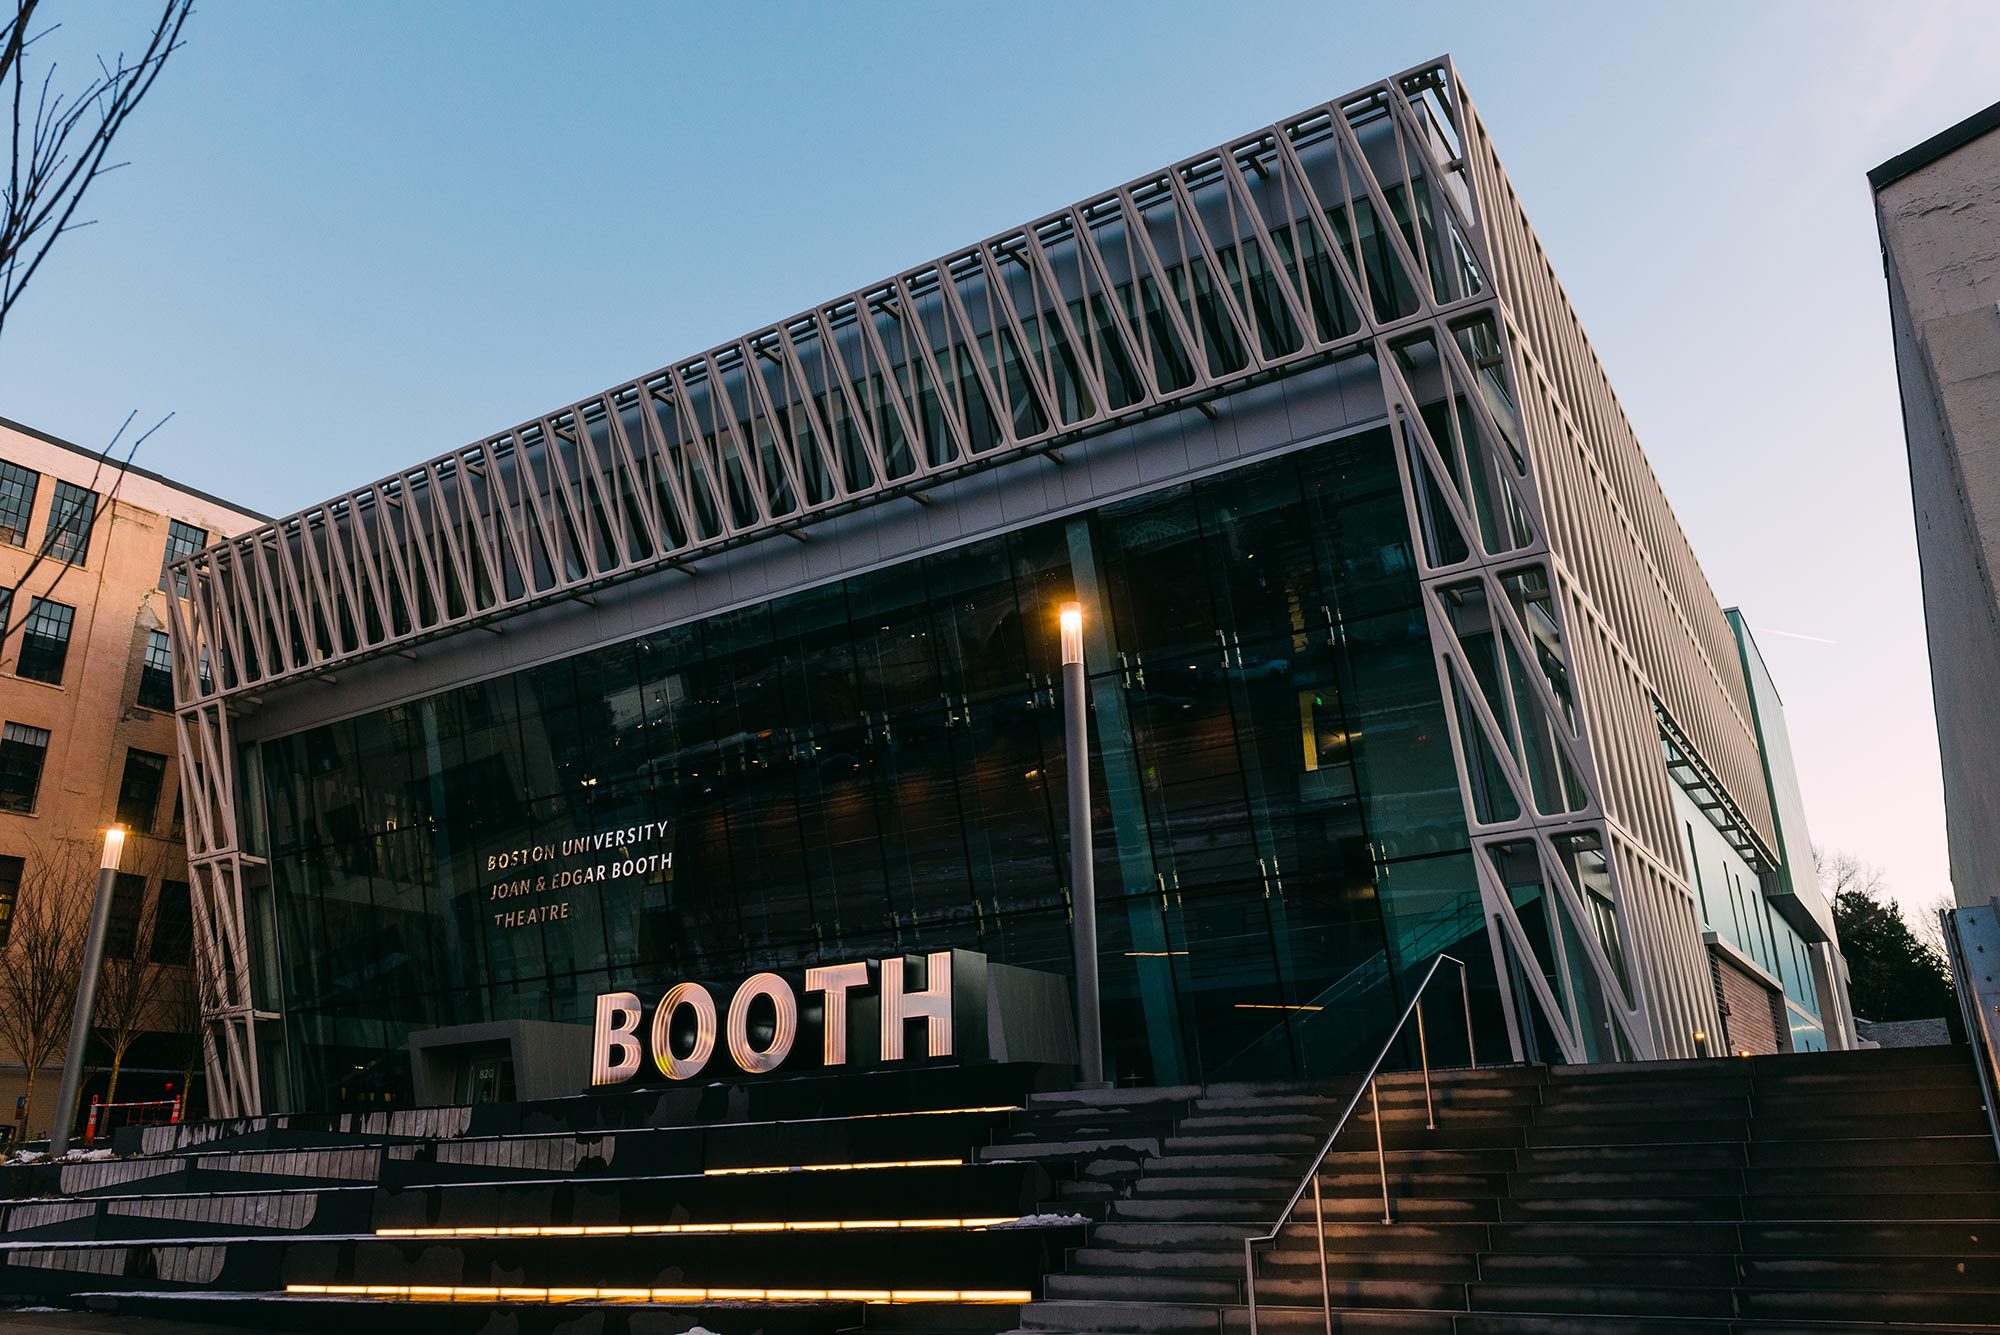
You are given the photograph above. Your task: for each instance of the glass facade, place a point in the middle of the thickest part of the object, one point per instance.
(876, 766)
(1735, 907)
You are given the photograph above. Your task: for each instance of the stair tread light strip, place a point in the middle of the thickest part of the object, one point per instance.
(632, 1230)
(833, 1167)
(443, 1293)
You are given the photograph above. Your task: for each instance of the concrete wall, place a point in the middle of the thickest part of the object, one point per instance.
(1940, 227)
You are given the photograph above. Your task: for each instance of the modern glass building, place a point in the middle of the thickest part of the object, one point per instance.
(1393, 648)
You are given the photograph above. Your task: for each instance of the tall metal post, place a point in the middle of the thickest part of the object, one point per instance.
(1082, 874)
(86, 991)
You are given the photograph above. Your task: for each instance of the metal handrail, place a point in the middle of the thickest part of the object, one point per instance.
(1980, 1033)
(1367, 1086)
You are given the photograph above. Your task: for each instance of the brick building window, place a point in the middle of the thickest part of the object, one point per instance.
(71, 514)
(182, 540)
(17, 502)
(173, 925)
(156, 673)
(45, 641)
(22, 753)
(10, 891)
(128, 899)
(139, 790)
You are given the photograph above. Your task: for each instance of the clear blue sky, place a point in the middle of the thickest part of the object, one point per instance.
(355, 235)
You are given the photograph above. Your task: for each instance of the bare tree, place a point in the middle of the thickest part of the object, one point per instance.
(131, 988)
(61, 145)
(1839, 872)
(1930, 928)
(62, 139)
(1893, 973)
(184, 1013)
(44, 955)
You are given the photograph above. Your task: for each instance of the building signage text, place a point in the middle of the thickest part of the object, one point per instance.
(863, 1012)
(527, 878)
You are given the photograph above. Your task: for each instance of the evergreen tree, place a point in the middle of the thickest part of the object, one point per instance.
(1893, 974)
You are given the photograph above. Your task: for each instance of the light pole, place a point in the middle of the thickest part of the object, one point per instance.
(86, 991)
(1082, 876)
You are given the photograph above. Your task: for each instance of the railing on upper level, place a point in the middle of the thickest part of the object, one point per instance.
(1367, 1086)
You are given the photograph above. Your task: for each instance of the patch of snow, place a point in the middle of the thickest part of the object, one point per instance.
(1042, 1221)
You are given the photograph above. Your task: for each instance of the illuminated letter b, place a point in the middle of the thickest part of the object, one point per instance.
(614, 1053)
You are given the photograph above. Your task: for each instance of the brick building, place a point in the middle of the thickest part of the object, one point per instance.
(86, 713)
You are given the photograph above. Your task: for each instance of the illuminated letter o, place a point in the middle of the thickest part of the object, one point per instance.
(784, 1002)
(696, 998)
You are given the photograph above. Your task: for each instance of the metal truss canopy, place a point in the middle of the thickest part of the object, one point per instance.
(1271, 252)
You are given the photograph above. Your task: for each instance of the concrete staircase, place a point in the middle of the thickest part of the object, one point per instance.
(814, 1205)
(1779, 1195)
(1810, 1193)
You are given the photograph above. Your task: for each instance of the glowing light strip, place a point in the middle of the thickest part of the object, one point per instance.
(440, 1293)
(1273, 1006)
(926, 1112)
(834, 1167)
(636, 1230)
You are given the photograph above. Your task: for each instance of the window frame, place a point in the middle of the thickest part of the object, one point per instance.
(60, 653)
(144, 761)
(178, 548)
(151, 673)
(13, 870)
(69, 498)
(41, 750)
(32, 481)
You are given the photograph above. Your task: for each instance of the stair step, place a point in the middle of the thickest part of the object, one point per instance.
(1876, 1305)
(1192, 1165)
(1284, 1262)
(1870, 1238)
(1413, 1208)
(1875, 1178)
(1632, 1106)
(1069, 1149)
(1619, 1300)
(1931, 1272)
(1601, 1181)
(1141, 1318)
(1615, 1237)
(1648, 1268)
(1924, 1205)
(1643, 1206)
(1914, 1148)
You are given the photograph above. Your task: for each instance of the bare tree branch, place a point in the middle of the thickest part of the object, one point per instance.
(61, 145)
(64, 143)
(131, 989)
(43, 957)
(70, 527)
